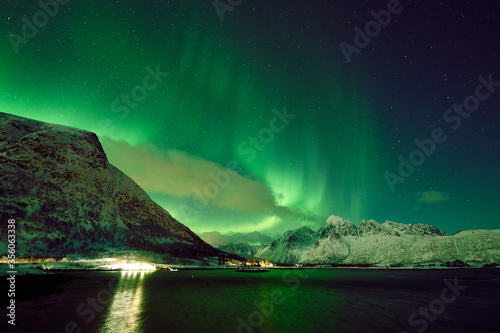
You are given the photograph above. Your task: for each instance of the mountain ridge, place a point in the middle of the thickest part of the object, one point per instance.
(67, 198)
(242, 249)
(340, 241)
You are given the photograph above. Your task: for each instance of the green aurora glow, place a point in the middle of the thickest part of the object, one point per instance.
(224, 81)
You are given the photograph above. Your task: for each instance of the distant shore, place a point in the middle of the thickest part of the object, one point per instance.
(47, 270)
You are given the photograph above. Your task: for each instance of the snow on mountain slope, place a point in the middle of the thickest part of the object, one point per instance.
(67, 198)
(413, 229)
(290, 246)
(242, 249)
(339, 226)
(372, 227)
(468, 246)
(388, 243)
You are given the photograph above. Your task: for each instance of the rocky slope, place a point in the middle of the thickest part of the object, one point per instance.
(67, 198)
(340, 241)
(242, 249)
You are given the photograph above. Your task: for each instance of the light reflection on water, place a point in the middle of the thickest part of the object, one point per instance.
(329, 300)
(124, 313)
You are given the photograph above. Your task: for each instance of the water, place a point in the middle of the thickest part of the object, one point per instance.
(323, 300)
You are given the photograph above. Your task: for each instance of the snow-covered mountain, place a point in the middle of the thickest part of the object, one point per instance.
(242, 249)
(340, 241)
(67, 198)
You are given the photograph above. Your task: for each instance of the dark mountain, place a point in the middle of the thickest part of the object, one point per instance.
(67, 198)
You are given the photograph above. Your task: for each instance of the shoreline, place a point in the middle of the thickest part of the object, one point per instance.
(33, 271)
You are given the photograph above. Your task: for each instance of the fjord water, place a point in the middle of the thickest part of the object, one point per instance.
(321, 300)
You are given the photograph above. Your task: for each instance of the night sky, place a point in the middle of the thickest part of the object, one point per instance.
(248, 122)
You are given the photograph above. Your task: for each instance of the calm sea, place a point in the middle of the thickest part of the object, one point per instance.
(322, 300)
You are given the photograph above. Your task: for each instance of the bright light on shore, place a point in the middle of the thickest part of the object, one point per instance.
(131, 267)
(139, 267)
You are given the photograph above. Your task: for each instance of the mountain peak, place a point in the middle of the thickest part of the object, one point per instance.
(15, 130)
(339, 226)
(69, 199)
(386, 243)
(334, 220)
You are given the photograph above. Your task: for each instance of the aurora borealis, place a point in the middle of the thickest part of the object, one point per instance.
(194, 108)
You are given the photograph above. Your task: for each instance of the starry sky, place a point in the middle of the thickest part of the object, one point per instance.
(250, 119)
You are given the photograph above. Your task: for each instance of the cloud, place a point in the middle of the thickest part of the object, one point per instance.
(205, 195)
(429, 197)
(180, 174)
(215, 238)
